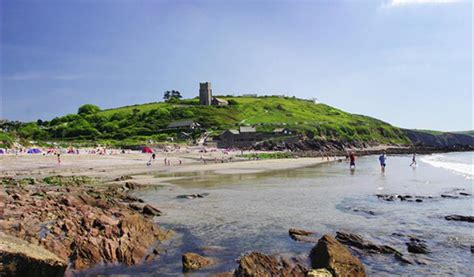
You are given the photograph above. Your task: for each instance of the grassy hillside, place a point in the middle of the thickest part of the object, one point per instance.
(149, 121)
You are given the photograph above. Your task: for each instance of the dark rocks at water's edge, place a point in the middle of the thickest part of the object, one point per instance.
(327, 258)
(330, 254)
(84, 225)
(421, 143)
(192, 196)
(408, 198)
(302, 235)
(417, 246)
(259, 264)
(21, 258)
(456, 217)
(192, 261)
(361, 243)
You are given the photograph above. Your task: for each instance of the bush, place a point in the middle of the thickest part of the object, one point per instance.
(232, 102)
(88, 109)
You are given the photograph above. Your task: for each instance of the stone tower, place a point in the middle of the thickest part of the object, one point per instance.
(205, 93)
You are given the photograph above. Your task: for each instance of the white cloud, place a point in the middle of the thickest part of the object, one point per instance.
(401, 3)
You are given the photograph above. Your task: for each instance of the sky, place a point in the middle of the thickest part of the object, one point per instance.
(407, 62)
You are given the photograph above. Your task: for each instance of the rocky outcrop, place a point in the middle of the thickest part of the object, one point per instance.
(258, 264)
(447, 141)
(302, 235)
(456, 217)
(21, 258)
(417, 246)
(193, 261)
(83, 225)
(361, 243)
(336, 258)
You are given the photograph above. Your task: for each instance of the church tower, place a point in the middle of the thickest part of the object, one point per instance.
(205, 93)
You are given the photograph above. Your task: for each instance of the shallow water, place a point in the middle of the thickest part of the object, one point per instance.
(254, 212)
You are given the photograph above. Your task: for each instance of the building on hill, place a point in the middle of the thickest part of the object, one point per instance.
(206, 98)
(184, 124)
(219, 102)
(205, 93)
(282, 131)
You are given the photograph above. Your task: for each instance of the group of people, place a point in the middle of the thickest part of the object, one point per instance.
(382, 160)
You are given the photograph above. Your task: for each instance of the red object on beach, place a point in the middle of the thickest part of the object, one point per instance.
(147, 150)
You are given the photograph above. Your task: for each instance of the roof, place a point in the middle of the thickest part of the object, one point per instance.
(219, 100)
(184, 123)
(246, 129)
(233, 131)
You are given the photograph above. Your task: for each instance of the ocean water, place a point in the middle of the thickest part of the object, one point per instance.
(253, 212)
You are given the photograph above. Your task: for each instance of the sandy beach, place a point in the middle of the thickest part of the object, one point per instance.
(109, 167)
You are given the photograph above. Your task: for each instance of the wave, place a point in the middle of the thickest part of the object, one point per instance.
(445, 162)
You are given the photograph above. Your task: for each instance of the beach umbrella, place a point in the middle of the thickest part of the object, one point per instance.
(147, 150)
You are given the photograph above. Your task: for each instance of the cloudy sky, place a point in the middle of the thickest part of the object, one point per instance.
(408, 62)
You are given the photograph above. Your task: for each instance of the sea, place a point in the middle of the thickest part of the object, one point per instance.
(253, 212)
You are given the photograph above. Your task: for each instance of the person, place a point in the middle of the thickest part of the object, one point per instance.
(153, 156)
(59, 158)
(382, 160)
(352, 160)
(413, 160)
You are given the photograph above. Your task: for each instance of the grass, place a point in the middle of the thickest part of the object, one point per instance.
(134, 125)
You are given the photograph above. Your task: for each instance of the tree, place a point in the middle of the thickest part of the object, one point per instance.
(168, 95)
(88, 109)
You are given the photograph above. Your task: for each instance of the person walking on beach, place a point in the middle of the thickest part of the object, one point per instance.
(382, 159)
(352, 159)
(153, 156)
(59, 158)
(413, 160)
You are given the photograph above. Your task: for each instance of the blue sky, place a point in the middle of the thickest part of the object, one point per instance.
(408, 62)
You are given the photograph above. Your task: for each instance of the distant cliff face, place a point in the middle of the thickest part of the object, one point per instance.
(441, 141)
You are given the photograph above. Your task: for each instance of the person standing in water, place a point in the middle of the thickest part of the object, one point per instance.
(413, 160)
(382, 160)
(352, 160)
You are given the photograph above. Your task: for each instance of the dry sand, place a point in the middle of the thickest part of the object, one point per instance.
(109, 167)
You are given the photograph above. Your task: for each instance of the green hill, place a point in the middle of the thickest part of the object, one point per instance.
(139, 123)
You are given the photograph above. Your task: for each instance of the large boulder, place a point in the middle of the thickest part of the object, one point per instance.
(193, 261)
(21, 258)
(261, 265)
(335, 257)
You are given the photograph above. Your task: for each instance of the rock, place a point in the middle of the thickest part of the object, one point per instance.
(299, 232)
(151, 211)
(417, 246)
(364, 211)
(123, 178)
(449, 196)
(258, 264)
(192, 196)
(321, 272)
(335, 257)
(302, 235)
(21, 258)
(131, 185)
(460, 218)
(361, 243)
(193, 261)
